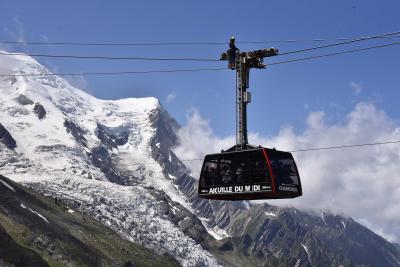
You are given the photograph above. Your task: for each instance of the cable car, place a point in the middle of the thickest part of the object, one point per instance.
(246, 172)
(254, 173)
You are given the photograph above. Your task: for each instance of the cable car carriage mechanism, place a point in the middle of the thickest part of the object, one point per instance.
(244, 171)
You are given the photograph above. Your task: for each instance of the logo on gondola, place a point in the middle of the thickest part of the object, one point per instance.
(239, 189)
(287, 188)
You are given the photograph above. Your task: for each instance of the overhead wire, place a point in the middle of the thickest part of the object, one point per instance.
(340, 43)
(109, 57)
(345, 146)
(312, 40)
(198, 59)
(183, 43)
(302, 150)
(197, 69)
(111, 73)
(332, 54)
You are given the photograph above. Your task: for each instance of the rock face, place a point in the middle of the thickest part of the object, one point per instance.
(288, 237)
(114, 160)
(112, 137)
(24, 100)
(6, 138)
(76, 131)
(39, 110)
(101, 158)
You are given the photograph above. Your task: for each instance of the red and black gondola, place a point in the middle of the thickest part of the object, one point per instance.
(256, 173)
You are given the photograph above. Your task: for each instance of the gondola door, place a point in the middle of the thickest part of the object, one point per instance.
(262, 180)
(285, 173)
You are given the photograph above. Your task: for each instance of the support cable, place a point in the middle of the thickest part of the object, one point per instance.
(196, 59)
(292, 151)
(185, 43)
(332, 54)
(196, 69)
(340, 43)
(110, 73)
(109, 57)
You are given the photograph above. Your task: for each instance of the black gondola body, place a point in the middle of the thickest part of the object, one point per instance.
(257, 173)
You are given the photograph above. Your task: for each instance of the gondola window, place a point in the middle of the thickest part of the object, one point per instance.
(225, 172)
(285, 171)
(259, 170)
(210, 172)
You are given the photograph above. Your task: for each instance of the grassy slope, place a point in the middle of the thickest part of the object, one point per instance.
(67, 239)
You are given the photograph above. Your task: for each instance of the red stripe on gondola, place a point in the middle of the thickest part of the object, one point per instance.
(270, 169)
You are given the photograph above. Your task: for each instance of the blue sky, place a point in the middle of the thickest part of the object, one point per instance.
(282, 95)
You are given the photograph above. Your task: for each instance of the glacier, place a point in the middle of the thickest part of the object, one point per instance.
(62, 155)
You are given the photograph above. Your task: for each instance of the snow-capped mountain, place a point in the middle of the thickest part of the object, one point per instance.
(88, 150)
(114, 160)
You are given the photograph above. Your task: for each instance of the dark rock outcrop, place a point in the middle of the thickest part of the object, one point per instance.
(6, 138)
(39, 110)
(101, 158)
(24, 100)
(112, 137)
(76, 131)
(164, 140)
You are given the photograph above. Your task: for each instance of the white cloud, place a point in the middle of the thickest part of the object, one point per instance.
(44, 37)
(363, 183)
(356, 87)
(20, 29)
(80, 82)
(170, 97)
(198, 139)
(15, 32)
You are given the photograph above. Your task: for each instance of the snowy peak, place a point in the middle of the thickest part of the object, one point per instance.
(60, 128)
(53, 89)
(40, 88)
(46, 112)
